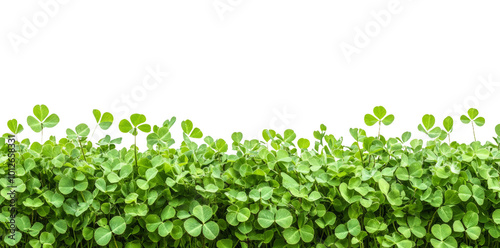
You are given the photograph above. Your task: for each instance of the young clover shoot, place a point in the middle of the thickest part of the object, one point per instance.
(14, 127)
(405, 137)
(190, 132)
(448, 127)
(359, 135)
(319, 135)
(303, 144)
(472, 118)
(42, 120)
(107, 143)
(380, 117)
(104, 121)
(161, 136)
(497, 139)
(237, 137)
(427, 125)
(81, 132)
(187, 127)
(137, 121)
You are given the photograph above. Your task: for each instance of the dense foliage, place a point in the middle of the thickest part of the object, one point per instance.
(277, 192)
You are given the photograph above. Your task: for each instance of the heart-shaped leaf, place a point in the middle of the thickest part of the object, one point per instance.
(102, 236)
(203, 213)
(193, 227)
(441, 232)
(284, 218)
(118, 225)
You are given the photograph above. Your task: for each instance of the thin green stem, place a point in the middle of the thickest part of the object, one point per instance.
(81, 148)
(473, 131)
(135, 149)
(135, 156)
(379, 124)
(430, 222)
(83, 197)
(94, 131)
(360, 154)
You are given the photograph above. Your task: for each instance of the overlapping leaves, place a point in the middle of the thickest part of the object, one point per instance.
(275, 192)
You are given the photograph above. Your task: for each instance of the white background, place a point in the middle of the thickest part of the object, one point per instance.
(246, 65)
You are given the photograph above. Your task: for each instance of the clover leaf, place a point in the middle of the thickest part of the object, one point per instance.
(203, 213)
(448, 126)
(137, 122)
(427, 126)
(380, 116)
(42, 119)
(442, 234)
(472, 117)
(14, 127)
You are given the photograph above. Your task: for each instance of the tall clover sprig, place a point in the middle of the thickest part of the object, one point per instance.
(104, 121)
(161, 136)
(359, 135)
(137, 122)
(380, 117)
(80, 134)
(472, 118)
(448, 127)
(42, 120)
(14, 127)
(427, 126)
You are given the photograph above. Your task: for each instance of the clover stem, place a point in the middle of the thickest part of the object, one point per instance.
(116, 245)
(81, 148)
(41, 139)
(430, 222)
(94, 131)
(118, 211)
(20, 144)
(135, 149)
(74, 235)
(83, 197)
(360, 154)
(449, 141)
(379, 124)
(473, 131)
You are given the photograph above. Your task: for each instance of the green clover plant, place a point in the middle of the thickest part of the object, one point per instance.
(104, 121)
(14, 127)
(161, 136)
(472, 117)
(380, 117)
(137, 122)
(277, 191)
(79, 134)
(427, 126)
(42, 119)
(448, 127)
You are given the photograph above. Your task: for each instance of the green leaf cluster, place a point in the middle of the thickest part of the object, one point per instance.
(275, 192)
